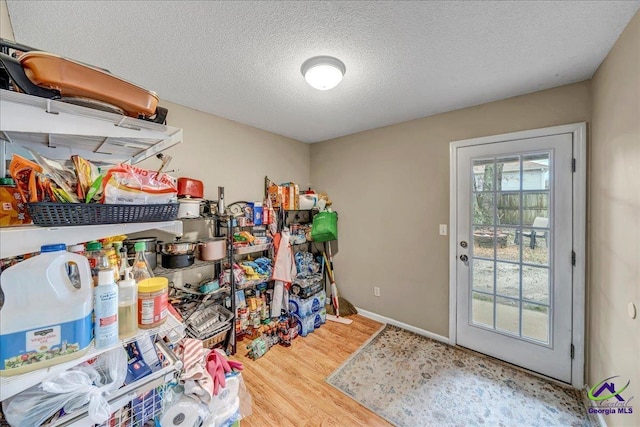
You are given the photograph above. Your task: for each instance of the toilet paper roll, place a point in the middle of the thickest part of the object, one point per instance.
(183, 413)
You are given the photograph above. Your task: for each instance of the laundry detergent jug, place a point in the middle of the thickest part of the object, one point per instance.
(46, 318)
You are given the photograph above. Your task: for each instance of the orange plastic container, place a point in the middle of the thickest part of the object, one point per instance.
(74, 79)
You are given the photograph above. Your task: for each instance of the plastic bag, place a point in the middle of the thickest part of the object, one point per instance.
(325, 226)
(70, 391)
(130, 185)
(64, 176)
(224, 410)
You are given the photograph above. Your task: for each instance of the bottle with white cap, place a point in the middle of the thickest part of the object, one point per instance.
(106, 310)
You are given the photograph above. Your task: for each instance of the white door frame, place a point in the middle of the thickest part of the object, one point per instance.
(579, 131)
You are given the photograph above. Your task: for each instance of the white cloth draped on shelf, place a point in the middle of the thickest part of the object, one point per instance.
(284, 271)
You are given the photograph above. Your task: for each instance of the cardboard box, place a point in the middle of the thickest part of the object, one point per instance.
(13, 211)
(285, 196)
(276, 194)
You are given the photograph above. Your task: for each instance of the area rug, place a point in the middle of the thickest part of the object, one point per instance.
(411, 380)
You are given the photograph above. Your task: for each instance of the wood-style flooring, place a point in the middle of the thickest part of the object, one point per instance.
(288, 384)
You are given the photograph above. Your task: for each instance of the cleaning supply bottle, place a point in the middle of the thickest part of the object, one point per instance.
(127, 306)
(45, 319)
(141, 269)
(106, 310)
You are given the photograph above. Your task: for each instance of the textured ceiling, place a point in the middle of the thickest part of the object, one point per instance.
(241, 60)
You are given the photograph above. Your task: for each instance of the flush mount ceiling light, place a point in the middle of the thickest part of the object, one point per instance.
(323, 72)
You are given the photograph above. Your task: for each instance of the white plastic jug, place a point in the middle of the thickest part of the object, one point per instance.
(45, 319)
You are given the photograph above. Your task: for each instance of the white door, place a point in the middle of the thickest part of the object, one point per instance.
(514, 251)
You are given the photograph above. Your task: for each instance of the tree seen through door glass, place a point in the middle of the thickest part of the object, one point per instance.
(483, 192)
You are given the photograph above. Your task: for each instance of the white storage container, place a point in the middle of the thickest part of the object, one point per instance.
(45, 319)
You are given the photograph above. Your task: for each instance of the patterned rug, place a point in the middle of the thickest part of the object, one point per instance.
(411, 381)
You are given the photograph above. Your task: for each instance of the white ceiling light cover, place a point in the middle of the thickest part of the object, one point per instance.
(323, 72)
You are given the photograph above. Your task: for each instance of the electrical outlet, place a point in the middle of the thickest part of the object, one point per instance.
(443, 229)
(376, 291)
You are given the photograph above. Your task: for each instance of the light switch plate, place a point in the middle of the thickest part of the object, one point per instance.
(443, 229)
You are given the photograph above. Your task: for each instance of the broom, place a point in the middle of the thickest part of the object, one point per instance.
(340, 305)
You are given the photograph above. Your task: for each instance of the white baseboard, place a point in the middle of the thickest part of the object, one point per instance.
(419, 331)
(589, 403)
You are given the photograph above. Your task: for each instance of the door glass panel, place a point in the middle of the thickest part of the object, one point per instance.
(535, 205)
(508, 174)
(482, 309)
(482, 275)
(511, 285)
(508, 279)
(483, 212)
(535, 172)
(535, 322)
(535, 284)
(508, 315)
(509, 208)
(483, 175)
(483, 242)
(506, 247)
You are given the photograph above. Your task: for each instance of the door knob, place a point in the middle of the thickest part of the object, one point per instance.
(464, 258)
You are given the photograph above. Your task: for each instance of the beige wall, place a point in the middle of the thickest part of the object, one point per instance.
(391, 189)
(6, 30)
(614, 220)
(224, 153)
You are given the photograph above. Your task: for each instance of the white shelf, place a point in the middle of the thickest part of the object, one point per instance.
(21, 240)
(9, 386)
(57, 130)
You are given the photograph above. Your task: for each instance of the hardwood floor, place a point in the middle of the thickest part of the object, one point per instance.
(288, 384)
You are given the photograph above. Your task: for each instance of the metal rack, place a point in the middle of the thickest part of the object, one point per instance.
(226, 222)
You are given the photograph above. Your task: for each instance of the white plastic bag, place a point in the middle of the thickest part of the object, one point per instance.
(70, 390)
(130, 185)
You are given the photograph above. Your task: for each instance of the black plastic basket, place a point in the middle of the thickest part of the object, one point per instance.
(65, 214)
